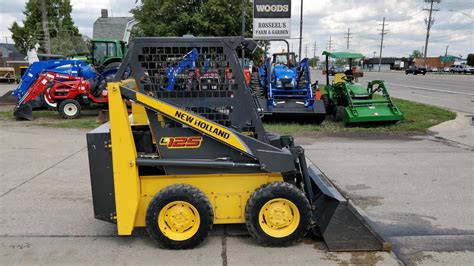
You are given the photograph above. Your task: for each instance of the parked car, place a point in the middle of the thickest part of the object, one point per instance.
(415, 70)
(334, 70)
(462, 69)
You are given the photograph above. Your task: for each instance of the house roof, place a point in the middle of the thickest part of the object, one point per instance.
(9, 52)
(9, 46)
(111, 27)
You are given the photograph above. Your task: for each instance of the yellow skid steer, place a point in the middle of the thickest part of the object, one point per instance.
(195, 153)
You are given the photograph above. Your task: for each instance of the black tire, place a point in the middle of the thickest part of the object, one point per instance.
(327, 103)
(339, 116)
(113, 65)
(190, 195)
(264, 195)
(255, 84)
(67, 111)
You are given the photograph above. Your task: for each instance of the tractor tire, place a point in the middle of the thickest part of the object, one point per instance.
(327, 103)
(190, 228)
(69, 109)
(255, 85)
(113, 65)
(339, 116)
(278, 214)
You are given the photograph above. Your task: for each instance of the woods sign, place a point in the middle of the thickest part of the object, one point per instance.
(271, 19)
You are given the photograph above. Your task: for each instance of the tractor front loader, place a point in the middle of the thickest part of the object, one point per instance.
(189, 158)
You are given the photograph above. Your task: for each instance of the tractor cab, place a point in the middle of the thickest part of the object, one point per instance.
(287, 59)
(106, 51)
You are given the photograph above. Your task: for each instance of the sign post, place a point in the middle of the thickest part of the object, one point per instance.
(271, 19)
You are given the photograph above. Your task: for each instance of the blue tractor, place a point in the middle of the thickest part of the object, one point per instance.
(284, 89)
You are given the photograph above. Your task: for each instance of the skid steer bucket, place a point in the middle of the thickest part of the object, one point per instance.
(338, 222)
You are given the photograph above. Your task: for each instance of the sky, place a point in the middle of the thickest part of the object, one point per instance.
(325, 18)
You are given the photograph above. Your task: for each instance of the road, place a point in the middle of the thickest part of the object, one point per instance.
(455, 92)
(416, 192)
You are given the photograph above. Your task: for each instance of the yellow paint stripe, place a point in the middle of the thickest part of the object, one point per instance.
(200, 124)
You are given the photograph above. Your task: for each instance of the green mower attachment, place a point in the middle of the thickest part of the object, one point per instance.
(363, 107)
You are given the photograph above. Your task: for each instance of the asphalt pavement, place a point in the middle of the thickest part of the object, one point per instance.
(47, 216)
(415, 191)
(455, 92)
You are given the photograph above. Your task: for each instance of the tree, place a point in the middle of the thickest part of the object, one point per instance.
(196, 17)
(416, 54)
(470, 59)
(65, 37)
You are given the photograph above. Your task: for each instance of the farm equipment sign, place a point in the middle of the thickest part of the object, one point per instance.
(271, 19)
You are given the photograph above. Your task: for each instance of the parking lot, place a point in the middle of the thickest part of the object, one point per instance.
(416, 191)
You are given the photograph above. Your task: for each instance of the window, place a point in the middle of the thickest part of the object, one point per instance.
(111, 51)
(100, 52)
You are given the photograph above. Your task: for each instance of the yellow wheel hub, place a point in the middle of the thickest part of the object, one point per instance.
(179, 220)
(279, 217)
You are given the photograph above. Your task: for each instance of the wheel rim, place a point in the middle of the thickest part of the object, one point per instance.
(70, 109)
(179, 220)
(279, 217)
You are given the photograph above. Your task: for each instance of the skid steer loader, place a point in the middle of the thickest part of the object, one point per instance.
(189, 158)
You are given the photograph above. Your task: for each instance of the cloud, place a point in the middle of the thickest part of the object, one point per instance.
(325, 18)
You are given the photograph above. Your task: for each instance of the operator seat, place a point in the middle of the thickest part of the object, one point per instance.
(338, 78)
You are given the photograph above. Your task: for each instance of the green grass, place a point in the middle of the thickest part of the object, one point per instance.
(418, 119)
(85, 123)
(47, 118)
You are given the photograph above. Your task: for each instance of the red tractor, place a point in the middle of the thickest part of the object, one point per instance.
(68, 93)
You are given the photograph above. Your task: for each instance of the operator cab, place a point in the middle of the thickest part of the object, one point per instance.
(284, 59)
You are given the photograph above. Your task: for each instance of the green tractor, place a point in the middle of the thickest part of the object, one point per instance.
(353, 103)
(105, 55)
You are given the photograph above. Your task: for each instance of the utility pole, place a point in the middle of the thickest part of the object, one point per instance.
(375, 53)
(348, 37)
(306, 50)
(301, 30)
(314, 50)
(446, 55)
(383, 33)
(242, 31)
(330, 43)
(44, 18)
(429, 23)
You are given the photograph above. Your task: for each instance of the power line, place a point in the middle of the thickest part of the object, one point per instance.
(382, 34)
(429, 23)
